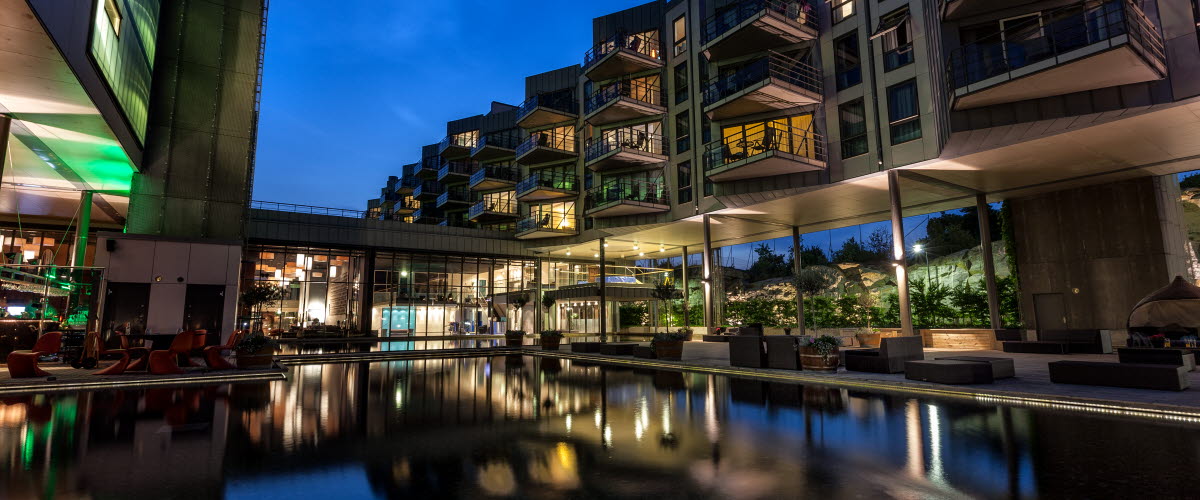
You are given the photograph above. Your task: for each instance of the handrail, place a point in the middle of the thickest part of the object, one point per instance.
(646, 44)
(547, 139)
(624, 189)
(1054, 32)
(408, 182)
(761, 138)
(551, 180)
(457, 167)
(774, 66)
(456, 193)
(548, 220)
(637, 89)
(506, 140)
(502, 172)
(307, 209)
(463, 140)
(611, 140)
(799, 13)
(559, 100)
(502, 206)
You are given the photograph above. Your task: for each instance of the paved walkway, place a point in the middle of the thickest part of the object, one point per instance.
(63, 378)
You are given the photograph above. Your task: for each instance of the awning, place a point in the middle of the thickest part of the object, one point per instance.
(1177, 304)
(889, 23)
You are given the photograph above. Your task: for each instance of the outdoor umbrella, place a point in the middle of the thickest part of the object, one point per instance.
(1177, 304)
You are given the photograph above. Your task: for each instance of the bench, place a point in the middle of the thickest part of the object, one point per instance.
(587, 347)
(888, 358)
(1001, 367)
(643, 351)
(1036, 347)
(1130, 375)
(747, 351)
(783, 351)
(1157, 356)
(1063, 342)
(944, 371)
(617, 349)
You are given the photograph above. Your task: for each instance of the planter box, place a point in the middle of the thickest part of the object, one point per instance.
(669, 350)
(965, 338)
(258, 361)
(810, 359)
(550, 344)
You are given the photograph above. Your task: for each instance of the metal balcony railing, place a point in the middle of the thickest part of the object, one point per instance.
(646, 44)
(501, 172)
(464, 140)
(612, 140)
(428, 187)
(457, 167)
(762, 138)
(1054, 32)
(506, 206)
(431, 164)
(505, 140)
(547, 139)
(551, 180)
(652, 192)
(559, 100)
(774, 66)
(457, 193)
(374, 214)
(636, 89)
(408, 182)
(799, 12)
(547, 221)
(406, 204)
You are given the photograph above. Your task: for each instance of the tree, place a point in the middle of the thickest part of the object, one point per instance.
(259, 295)
(810, 282)
(853, 251)
(548, 302)
(880, 244)
(1191, 181)
(664, 291)
(768, 265)
(519, 301)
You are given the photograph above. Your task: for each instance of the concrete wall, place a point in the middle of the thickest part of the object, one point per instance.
(1101, 247)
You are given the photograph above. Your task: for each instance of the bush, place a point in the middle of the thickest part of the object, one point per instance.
(678, 336)
(824, 344)
(255, 343)
(552, 334)
(514, 333)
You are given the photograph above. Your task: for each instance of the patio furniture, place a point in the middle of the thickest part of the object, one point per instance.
(747, 351)
(1131, 375)
(124, 352)
(643, 351)
(888, 358)
(588, 347)
(1035, 347)
(715, 338)
(24, 364)
(1157, 356)
(618, 349)
(783, 351)
(1001, 367)
(199, 340)
(214, 354)
(1086, 341)
(1009, 335)
(945, 371)
(166, 362)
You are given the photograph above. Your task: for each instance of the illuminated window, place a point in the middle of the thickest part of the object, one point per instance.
(790, 134)
(113, 11)
(554, 216)
(842, 9)
(680, 33)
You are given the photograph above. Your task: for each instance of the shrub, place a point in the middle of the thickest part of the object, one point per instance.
(552, 334)
(824, 344)
(255, 343)
(678, 336)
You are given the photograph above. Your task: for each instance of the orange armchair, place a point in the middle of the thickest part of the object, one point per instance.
(167, 362)
(24, 364)
(214, 354)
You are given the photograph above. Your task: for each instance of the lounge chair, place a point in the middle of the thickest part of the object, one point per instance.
(214, 354)
(748, 351)
(888, 358)
(1132, 375)
(24, 364)
(166, 362)
(123, 363)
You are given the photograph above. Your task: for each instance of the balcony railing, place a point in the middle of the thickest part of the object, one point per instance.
(652, 192)
(500, 172)
(612, 140)
(504, 207)
(546, 139)
(774, 66)
(636, 89)
(465, 168)
(549, 180)
(561, 100)
(800, 12)
(1049, 35)
(646, 44)
(408, 182)
(461, 140)
(406, 204)
(547, 221)
(455, 194)
(760, 139)
(428, 188)
(504, 140)
(374, 214)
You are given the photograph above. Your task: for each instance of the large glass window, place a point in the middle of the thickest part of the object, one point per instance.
(684, 178)
(904, 117)
(792, 134)
(853, 123)
(554, 216)
(846, 62)
(679, 30)
(895, 29)
(113, 12)
(683, 131)
(841, 9)
(681, 82)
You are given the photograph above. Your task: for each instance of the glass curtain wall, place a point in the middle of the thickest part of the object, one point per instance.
(320, 287)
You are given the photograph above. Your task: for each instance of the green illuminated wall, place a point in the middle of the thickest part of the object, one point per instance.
(126, 59)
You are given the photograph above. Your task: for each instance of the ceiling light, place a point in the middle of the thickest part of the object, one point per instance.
(635, 247)
(606, 245)
(641, 254)
(568, 253)
(596, 255)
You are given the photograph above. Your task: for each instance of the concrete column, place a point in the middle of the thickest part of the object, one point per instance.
(537, 299)
(683, 263)
(5, 125)
(989, 264)
(368, 291)
(603, 312)
(796, 267)
(707, 281)
(81, 230)
(899, 253)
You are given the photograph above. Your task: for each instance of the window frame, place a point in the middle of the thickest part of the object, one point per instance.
(916, 116)
(112, 10)
(845, 139)
(836, 5)
(853, 36)
(679, 43)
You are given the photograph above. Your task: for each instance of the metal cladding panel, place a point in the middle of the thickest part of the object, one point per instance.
(550, 81)
(464, 124)
(644, 17)
(233, 120)
(498, 121)
(429, 151)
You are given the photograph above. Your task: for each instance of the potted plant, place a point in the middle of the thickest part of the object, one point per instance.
(820, 354)
(687, 332)
(548, 302)
(668, 345)
(1158, 340)
(550, 340)
(255, 351)
(513, 338)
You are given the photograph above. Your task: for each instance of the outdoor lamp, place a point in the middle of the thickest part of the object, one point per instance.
(917, 248)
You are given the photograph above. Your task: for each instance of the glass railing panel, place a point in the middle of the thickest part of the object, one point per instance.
(801, 13)
(774, 66)
(762, 138)
(612, 140)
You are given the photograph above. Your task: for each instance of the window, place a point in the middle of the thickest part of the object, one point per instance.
(896, 31)
(904, 117)
(853, 123)
(680, 34)
(681, 82)
(841, 9)
(113, 11)
(683, 131)
(846, 63)
(705, 128)
(685, 182)
(788, 134)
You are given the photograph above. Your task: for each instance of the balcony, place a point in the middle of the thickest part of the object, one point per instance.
(621, 148)
(548, 109)
(771, 83)
(454, 197)
(428, 191)
(623, 55)
(626, 197)
(764, 150)
(496, 146)
(458, 146)
(493, 177)
(548, 224)
(427, 216)
(1083, 46)
(405, 207)
(406, 185)
(961, 9)
(547, 186)
(546, 147)
(624, 100)
(428, 169)
(456, 171)
(754, 25)
(490, 211)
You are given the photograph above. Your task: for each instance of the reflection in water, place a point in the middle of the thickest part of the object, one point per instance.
(527, 426)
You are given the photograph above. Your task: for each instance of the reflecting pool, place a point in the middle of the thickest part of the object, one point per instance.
(533, 427)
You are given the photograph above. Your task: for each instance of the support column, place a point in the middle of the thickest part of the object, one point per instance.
(603, 313)
(899, 253)
(989, 264)
(368, 291)
(683, 263)
(796, 267)
(537, 300)
(5, 125)
(707, 273)
(81, 230)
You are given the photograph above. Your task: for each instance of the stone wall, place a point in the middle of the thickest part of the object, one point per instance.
(981, 339)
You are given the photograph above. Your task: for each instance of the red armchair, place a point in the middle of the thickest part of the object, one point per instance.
(167, 362)
(214, 354)
(24, 364)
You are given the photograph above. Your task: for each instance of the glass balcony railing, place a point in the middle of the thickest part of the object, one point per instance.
(547, 139)
(503, 140)
(429, 166)
(760, 139)
(500, 207)
(464, 168)
(774, 66)
(547, 221)
(408, 182)
(461, 140)
(499, 172)
(456, 194)
(646, 44)
(1051, 34)
(799, 12)
(428, 188)
(636, 89)
(561, 100)
(652, 192)
(548, 180)
(612, 140)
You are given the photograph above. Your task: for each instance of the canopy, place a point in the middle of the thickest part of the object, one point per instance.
(1177, 304)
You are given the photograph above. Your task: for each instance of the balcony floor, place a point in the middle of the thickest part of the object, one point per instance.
(768, 95)
(543, 154)
(453, 178)
(624, 157)
(766, 30)
(491, 153)
(620, 62)
(546, 194)
(541, 233)
(621, 109)
(455, 152)
(626, 207)
(454, 204)
(768, 164)
(491, 184)
(487, 217)
(404, 211)
(541, 117)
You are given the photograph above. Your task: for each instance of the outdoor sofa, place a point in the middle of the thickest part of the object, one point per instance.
(888, 358)
(1131, 375)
